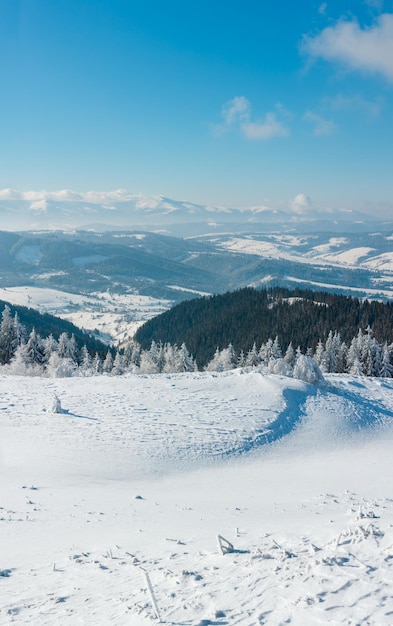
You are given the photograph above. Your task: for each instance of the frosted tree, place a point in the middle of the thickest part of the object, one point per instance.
(354, 364)
(132, 356)
(170, 358)
(50, 346)
(7, 336)
(308, 370)
(280, 367)
(58, 367)
(386, 368)
(265, 352)
(223, 360)
(252, 357)
(34, 353)
(86, 364)
(290, 356)
(329, 358)
(97, 364)
(215, 364)
(118, 366)
(184, 360)
(67, 347)
(275, 352)
(319, 353)
(370, 354)
(107, 365)
(342, 358)
(241, 362)
(18, 362)
(151, 360)
(19, 332)
(229, 358)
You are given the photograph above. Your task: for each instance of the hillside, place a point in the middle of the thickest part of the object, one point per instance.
(46, 324)
(141, 474)
(249, 316)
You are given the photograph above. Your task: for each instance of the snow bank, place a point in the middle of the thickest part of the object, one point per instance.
(141, 474)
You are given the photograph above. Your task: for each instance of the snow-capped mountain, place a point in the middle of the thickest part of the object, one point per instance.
(121, 209)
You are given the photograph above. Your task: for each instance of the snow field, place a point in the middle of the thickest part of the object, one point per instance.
(141, 473)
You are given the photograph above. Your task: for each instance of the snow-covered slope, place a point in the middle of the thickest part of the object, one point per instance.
(110, 510)
(110, 316)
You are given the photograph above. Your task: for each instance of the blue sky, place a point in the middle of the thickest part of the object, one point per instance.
(234, 103)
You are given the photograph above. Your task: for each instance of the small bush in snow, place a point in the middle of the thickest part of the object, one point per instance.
(306, 368)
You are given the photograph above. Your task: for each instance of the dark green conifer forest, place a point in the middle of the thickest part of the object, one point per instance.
(249, 316)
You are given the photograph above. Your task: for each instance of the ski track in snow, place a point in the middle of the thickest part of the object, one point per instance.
(141, 473)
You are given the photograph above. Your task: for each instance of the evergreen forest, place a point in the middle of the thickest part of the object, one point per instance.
(249, 316)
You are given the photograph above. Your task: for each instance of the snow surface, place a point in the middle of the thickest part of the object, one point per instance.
(115, 316)
(140, 474)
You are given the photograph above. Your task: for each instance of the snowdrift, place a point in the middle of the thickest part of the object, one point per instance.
(115, 489)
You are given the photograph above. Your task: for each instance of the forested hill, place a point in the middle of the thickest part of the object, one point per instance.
(249, 316)
(46, 324)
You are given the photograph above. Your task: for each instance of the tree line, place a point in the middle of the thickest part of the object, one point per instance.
(249, 316)
(31, 354)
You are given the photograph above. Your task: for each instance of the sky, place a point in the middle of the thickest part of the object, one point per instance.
(238, 104)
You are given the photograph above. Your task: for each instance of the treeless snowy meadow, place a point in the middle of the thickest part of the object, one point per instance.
(196, 499)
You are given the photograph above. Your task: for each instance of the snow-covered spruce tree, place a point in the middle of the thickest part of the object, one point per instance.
(290, 356)
(33, 351)
(223, 360)
(118, 365)
(241, 362)
(308, 370)
(265, 352)
(149, 363)
(370, 354)
(107, 365)
(19, 332)
(319, 354)
(275, 352)
(170, 355)
(280, 367)
(67, 348)
(252, 357)
(132, 356)
(215, 365)
(9, 332)
(50, 346)
(58, 367)
(354, 364)
(386, 369)
(86, 364)
(185, 361)
(329, 357)
(97, 364)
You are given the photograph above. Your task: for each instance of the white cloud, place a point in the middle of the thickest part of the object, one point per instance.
(301, 204)
(10, 194)
(236, 109)
(267, 129)
(371, 108)
(237, 114)
(365, 49)
(38, 200)
(321, 126)
(39, 205)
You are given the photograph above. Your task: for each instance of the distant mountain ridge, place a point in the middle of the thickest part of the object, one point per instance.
(121, 209)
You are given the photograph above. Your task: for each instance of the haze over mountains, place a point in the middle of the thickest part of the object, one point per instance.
(121, 209)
